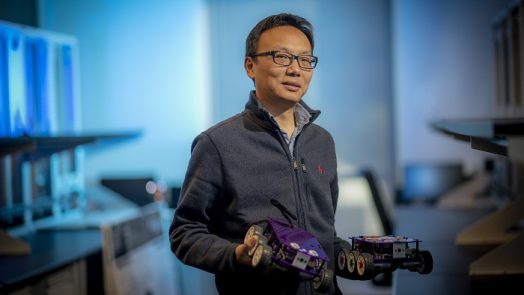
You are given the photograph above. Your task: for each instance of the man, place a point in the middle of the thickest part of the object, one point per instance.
(271, 151)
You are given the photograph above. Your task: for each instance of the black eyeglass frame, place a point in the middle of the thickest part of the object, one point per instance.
(274, 52)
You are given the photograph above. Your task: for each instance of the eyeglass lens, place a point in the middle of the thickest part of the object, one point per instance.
(304, 61)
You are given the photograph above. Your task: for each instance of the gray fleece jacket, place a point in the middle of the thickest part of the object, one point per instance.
(236, 168)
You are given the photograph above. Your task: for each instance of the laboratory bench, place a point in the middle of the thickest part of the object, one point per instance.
(59, 259)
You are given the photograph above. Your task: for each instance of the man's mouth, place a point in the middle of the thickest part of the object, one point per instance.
(291, 86)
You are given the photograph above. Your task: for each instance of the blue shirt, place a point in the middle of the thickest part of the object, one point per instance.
(302, 117)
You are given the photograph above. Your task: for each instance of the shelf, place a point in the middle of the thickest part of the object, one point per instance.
(508, 259)
(489, 135)
(494, 229)
(105, 140)
(482, 128)
(498, 235)
(48, 145)
(36, 147)
(50, 250)
(499, 136)
(14, 145)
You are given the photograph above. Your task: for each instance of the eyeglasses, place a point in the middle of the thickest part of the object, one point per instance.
(306, 62)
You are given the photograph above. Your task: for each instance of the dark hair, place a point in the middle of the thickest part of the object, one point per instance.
(277, 20)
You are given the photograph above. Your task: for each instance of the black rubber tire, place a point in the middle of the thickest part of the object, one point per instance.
(342, 259)
(323, 282)
(352, 262)
(427, 262)
(365, 266)
(262, 256)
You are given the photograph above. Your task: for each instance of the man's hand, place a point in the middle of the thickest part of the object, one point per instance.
(242, 250)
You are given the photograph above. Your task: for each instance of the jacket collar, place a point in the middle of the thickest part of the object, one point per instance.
(262, 117)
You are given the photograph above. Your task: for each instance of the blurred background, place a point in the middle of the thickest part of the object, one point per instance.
(102, 99)
(173, 68)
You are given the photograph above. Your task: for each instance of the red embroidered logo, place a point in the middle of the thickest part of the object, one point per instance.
(320, 169)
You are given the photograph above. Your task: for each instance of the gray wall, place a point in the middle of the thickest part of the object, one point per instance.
(443, 69)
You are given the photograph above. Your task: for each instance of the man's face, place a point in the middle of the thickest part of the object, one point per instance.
(277, 84)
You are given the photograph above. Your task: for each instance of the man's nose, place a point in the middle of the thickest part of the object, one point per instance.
(294, 67)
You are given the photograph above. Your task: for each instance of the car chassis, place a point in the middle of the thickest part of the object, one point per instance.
(371, 255)
(285, 247)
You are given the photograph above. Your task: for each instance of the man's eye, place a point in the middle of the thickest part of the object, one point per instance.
(281, 56)
(305, 59)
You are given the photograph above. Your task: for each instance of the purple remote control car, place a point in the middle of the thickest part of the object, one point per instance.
(280, 245)
(371, 255)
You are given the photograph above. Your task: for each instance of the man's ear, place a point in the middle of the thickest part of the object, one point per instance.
(248, 65)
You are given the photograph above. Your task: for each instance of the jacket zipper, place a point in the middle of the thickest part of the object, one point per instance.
(301, 207)
(296, 179)
(307, 197)
(301, 220)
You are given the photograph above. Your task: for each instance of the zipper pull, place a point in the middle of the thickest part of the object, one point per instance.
(295, 166)
(303, 166)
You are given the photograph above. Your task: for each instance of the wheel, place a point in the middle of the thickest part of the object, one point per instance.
(342, 259)
(252, 231)
(260, 240)
(364, 265)
(262, 256)
(426, 265)
(255, 230)
(323, 282)
(352, 262)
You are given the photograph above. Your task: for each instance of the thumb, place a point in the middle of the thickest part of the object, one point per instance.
(252, 241)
